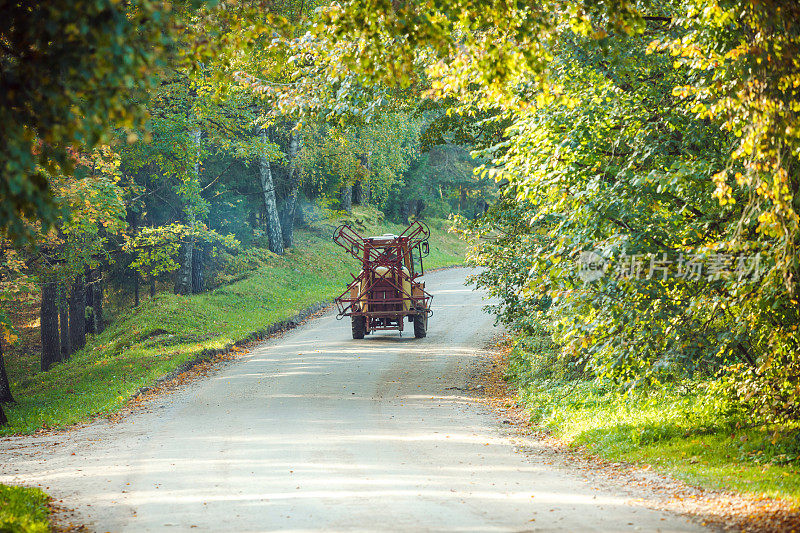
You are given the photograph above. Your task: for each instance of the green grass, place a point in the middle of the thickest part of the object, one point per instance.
(23, 510)
(681, 429)
(168, 331)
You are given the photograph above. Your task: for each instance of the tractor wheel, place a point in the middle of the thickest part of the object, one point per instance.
(359, 324)
(421, 325)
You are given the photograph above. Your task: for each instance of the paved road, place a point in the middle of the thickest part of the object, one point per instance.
(314, 431)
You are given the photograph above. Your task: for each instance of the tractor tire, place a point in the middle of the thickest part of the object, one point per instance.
(359, 325)
(421, 325)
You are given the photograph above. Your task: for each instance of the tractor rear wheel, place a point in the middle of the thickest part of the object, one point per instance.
(359, 325)
(421, 325)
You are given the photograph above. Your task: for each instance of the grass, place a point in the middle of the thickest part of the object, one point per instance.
(681, 429)
(168, 331)
(23, 510)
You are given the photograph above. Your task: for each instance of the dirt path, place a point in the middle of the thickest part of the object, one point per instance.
(316, 432)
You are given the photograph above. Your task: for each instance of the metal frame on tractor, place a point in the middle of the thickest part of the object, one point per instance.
(387, 291)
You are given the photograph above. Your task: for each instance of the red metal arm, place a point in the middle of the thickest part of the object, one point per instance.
(347, 238)
(416, 233)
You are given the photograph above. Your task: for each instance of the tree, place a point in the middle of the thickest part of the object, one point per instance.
(67, 70)
(94, 299)
(63, 321)
(741, 62)
(5, 387)
(442, 181)
(15, 284)
(51, 346)
(193, 206)
(294, 179)
(90, 210)
(274, 232)
(77, 314)
(621, 149)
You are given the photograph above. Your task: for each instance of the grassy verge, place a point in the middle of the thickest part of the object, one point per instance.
(168, 331)
(678, 429)
(23, 510)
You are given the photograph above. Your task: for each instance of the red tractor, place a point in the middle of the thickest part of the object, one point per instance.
(388, 290)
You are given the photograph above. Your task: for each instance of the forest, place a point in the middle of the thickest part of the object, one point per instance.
(214, 139)
(627, 176)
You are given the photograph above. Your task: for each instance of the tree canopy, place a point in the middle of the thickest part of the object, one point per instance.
(656, 143)
(663, 134)
(70, 74)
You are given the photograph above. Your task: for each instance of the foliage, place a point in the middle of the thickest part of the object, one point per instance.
(155, 249)
(661, 137)
(616, 147)
(91, 209)
(68, 70)
(299, 74)
(502, 251)
(23, 510)
(443, 179)
(375, 154)
(328, 161)
(617, 166)
(743, 62)
(15, 286)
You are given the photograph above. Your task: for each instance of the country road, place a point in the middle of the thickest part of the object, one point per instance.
(313, 431)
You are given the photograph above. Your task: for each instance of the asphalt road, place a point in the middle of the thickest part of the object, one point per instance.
(313, 431)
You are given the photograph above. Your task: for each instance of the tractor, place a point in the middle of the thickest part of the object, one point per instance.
(388, 290)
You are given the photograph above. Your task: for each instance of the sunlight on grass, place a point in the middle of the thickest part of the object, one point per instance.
(23, 510)
(682, 429)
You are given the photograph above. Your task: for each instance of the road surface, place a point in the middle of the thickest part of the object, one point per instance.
(313, 431)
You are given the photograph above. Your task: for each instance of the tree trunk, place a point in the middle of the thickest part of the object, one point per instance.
(5, 386)
(274, 232)
(152, 278)
(290, 207)
(198, 263)
(481, 208)
(183, 281)
(301, 217)
(63, 322)
(287, 220)
(404, 212)
(346, 196)
(419, 207)
(51, 347)
(366, 192)
(98, 324)
(77, 314)
(136, 288)
(136, 278)
(358, 193)
(363, 185)
(89, 301)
